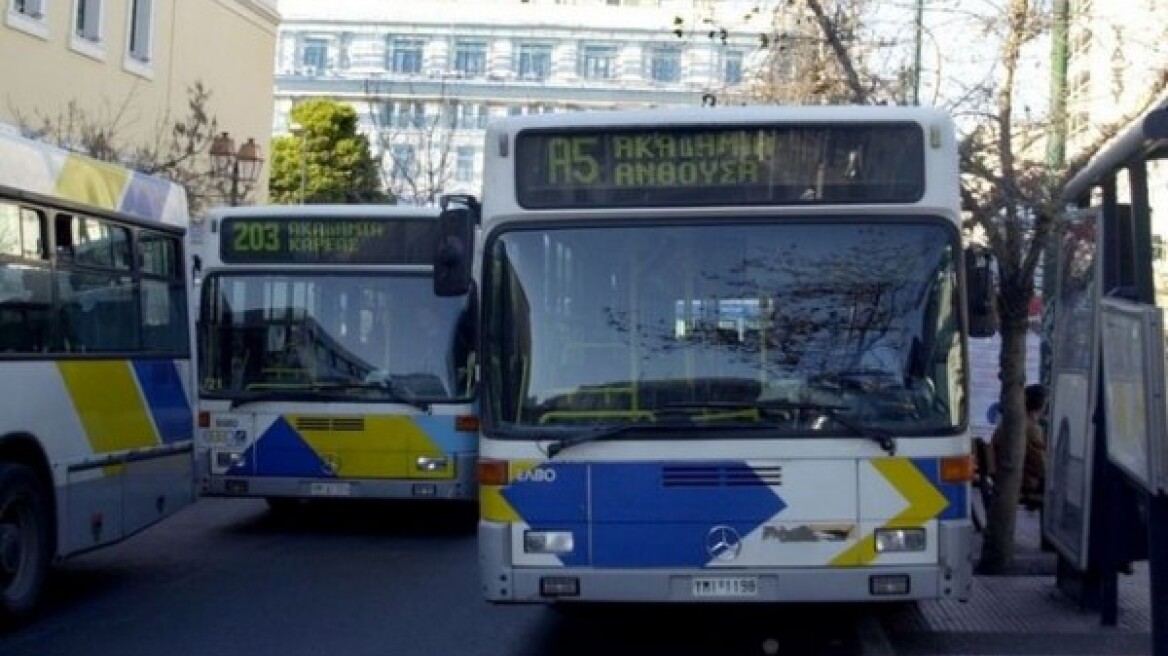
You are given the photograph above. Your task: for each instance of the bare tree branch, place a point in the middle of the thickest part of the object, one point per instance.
(425, 177)
(176, 150)
(843, 55)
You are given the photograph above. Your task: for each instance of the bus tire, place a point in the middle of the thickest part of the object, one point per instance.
(25, 540)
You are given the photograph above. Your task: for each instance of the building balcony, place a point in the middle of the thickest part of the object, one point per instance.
(554, 89)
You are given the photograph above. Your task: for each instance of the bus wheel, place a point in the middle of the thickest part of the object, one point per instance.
(25, 552)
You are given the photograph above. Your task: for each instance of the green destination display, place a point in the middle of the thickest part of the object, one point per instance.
(724, 165)
(328, 240)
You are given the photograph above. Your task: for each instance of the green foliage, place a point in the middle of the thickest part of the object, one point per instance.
(334, 160)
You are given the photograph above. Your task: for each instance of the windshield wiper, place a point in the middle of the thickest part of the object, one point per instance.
(394, 391)
(877, 435)
(762, 407)
(283, 394)
(600, 434)
(833, 412)
(594, 435)
(312, 392)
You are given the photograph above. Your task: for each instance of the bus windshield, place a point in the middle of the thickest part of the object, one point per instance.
(366, 337)
(721, 323)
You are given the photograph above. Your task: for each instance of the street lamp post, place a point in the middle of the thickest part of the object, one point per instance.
(241, 165)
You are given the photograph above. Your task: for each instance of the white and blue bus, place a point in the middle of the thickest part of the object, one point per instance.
(723, 357)
(327, 367)
(95, 407)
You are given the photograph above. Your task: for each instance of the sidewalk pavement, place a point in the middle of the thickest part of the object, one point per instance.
(1022, 613)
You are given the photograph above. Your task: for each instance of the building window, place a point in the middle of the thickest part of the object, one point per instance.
(732, 68)
(470, 58)
(598, 61)
(87, 23)
(315, 54)
(28, 16)
(141, 29)
(343, 58)
(418, 115)
(665, 65)
(470, 116)
(403, 161)
(402, 117)
(385, 114)
(535, 61)
(29, 8)
(405, 55)
(464, 165)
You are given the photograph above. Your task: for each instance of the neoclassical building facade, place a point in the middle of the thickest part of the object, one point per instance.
(426, 77)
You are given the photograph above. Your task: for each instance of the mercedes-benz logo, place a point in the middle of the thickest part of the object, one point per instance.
(723, 543)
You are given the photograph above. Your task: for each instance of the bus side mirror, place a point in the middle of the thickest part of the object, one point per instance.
(454, 250)
(980, 293)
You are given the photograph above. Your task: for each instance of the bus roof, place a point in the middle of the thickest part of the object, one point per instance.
(725, 115)
(535, 164)
(323, 211)
(39, 168)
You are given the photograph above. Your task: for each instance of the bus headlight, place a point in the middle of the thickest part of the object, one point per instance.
(548, 542)
(429, 464)
(900, 539)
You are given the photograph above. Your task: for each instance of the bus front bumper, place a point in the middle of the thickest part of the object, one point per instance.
(460, 487)
(949, 579)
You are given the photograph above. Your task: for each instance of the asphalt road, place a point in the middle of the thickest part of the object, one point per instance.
(228, 577)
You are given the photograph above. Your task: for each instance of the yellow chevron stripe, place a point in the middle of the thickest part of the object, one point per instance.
(924, 503)
(388, 447)
(109, 404)
(92, 182)
(493, 507)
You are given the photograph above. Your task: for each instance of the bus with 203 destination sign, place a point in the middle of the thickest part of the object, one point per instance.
(95, 417)
(327, 367)
(723, 356)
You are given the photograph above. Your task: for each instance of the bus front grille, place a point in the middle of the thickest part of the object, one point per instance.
(339, 424)
(721, 476)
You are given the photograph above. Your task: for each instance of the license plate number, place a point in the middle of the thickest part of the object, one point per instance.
(330, 489)
(225, 436)
(726, 586)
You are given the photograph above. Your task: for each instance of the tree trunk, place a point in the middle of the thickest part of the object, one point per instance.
(1010, 441)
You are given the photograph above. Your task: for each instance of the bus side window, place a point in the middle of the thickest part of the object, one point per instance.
(63, 236)
(25, 294)
(99, 312)
(69, 328)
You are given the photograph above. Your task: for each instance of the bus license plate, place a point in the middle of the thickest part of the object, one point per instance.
(726, 586)
(330, 489)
